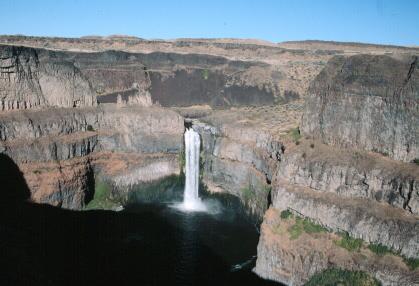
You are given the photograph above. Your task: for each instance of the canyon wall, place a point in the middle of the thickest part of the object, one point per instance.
(367, 102)
(44, 78)
(330, 191)
(28, 81)
(60, 151)
(349, 172)
(239, 161)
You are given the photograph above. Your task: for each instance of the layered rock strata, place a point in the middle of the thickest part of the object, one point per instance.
(239, 160)
(367, 102)
(27, 81)
(356, 105)
(61, 150)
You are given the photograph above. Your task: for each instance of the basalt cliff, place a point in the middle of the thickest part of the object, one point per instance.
(320, 140)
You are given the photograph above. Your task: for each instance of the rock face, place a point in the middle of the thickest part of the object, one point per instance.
(356, 105)
(61, 150)
(36, 77)
(101, 117)
(352, 175)
(239, 161)
(361, 194)
(367, 102)
(28, 81)
(294, 260)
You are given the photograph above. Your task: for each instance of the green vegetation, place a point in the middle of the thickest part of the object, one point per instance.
(303, 225)
(158, 190)
(415, 161)
(201, 163)
(296, 229)
(412, 263)
(379, 249)
(349, 243)
(90, 128)
(382, 250)
(311, 227)
(182, 159)
(295, 134)
(286, 214)
(342, 277)
(205, 74)
(247, 193)
(102, 197)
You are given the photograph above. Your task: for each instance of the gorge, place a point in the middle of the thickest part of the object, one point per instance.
(306, 152)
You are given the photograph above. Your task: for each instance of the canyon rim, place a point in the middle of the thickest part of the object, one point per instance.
(318, 141)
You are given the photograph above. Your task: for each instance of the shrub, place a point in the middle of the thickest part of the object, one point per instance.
(286, 214)
(312, 145)
(335, 276)
(295, 134)
(301, 225)
(102, 197)
(412, 263)
(379, 249)
(311, 227)
(247, 193)
(296, 229)
(415, 161)
(90, 128)
(349, 243)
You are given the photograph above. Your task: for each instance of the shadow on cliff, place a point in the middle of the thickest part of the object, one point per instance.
(13, 188)
(45, 245)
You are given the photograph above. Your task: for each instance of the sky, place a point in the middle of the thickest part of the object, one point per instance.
(369, 21)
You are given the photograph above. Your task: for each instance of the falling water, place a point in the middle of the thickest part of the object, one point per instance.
(191, 200)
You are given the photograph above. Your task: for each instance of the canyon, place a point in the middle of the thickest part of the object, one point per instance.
(318, 140)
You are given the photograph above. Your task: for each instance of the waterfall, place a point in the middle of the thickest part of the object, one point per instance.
(191, 200)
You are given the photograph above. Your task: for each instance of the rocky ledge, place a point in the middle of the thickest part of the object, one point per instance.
(367, 102)
(61, 151)
(345, 191)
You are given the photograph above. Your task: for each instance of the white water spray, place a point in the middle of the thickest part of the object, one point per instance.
(191, 200)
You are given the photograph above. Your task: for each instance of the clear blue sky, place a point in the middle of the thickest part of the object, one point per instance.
(373, 21)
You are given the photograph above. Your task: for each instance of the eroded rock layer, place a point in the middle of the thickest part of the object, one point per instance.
(367, 102)
(351, 203)
(60, 151)
(28, 81)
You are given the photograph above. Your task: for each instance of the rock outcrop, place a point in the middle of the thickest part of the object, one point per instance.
(28, 81)
(293, 261)
(61, 150)
(239, 160)
(356, 105)
(367, 102)
(352, 175)
(98, 113)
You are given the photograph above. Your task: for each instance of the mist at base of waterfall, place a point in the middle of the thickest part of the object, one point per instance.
(210, 206)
